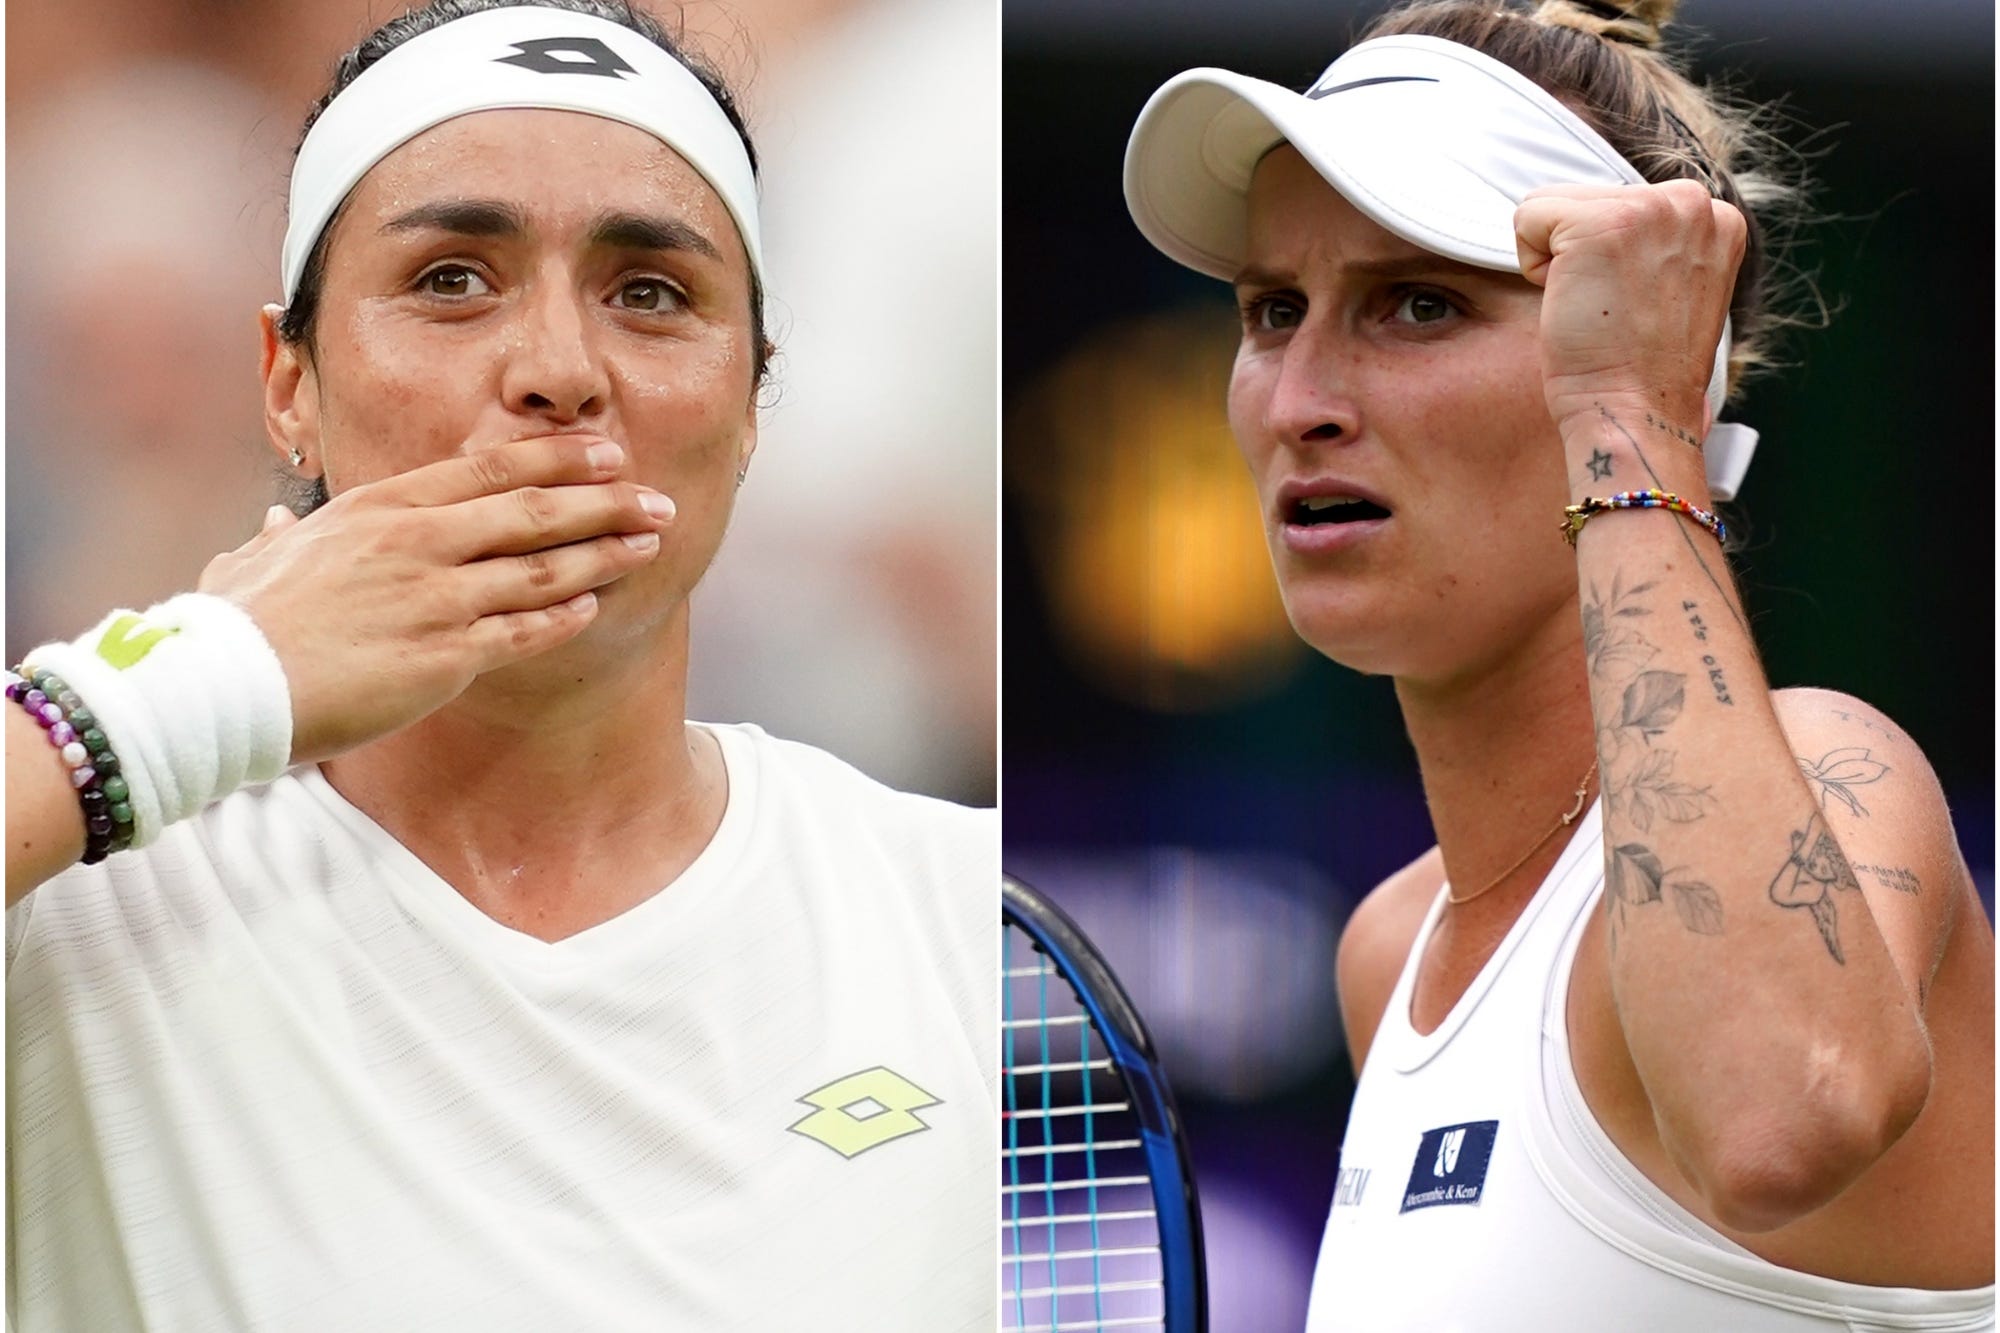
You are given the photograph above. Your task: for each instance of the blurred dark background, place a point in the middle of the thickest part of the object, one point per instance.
(1207, 797)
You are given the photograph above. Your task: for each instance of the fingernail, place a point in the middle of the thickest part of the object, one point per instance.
(646, 542)
(604, 456)
(275, 514)
(581, 603)
(656, 504)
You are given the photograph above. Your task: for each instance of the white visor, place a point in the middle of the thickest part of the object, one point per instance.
(1433, 141)
(524, 56)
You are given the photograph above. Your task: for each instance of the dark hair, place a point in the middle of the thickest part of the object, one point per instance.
(1601, 59)
(296, 324)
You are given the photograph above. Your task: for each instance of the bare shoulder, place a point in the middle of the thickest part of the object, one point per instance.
(1882, 803)
(1376, 943)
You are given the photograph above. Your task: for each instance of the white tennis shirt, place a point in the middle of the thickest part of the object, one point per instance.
(1478, 1194)
(271, 1073)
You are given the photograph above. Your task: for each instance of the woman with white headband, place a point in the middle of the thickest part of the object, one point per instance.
(384, 951)
(1687, 1021)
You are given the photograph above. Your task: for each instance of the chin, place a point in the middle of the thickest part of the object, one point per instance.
(1346, 628)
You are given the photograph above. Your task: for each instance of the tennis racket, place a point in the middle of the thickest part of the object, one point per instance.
(1097, 1201)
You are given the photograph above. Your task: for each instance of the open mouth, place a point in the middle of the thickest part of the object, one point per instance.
(1320, 510)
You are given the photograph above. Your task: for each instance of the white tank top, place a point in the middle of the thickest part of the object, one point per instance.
(1476, 1191)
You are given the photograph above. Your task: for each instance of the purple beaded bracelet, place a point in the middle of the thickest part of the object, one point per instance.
(93, 767)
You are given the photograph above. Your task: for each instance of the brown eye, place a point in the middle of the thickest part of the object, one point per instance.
(647, 294)
(1272, 314)
(452, 280)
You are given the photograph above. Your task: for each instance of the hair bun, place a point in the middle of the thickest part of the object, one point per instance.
(1635, 22)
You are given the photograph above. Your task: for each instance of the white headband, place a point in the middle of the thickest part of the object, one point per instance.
(521, 56)
(1433, 141)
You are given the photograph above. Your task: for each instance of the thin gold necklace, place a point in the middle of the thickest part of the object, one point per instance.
(1564, 823)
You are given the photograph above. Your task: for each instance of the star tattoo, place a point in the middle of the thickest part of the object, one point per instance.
(1599, 459)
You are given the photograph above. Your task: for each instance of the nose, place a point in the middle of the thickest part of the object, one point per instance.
(554, 370)
(1312, 399)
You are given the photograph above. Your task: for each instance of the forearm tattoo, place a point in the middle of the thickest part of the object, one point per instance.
(1708, 662)
(1636, 704)
(1700, 556)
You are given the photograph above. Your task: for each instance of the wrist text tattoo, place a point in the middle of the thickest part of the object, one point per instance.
(1669, 428)
(1810, 877)
(1700, 556)
(1636, 705)
(1714, 668)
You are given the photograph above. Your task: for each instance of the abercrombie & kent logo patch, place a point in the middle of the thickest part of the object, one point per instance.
(1450, 1166)
(567, 55)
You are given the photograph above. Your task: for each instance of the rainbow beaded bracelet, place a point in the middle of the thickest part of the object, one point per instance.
(1576, 515)
(93, 767)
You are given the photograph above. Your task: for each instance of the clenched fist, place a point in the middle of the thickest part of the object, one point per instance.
(1636, 282)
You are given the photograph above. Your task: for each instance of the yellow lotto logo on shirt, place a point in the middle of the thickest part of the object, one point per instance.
(128, 639)
(863, 1111)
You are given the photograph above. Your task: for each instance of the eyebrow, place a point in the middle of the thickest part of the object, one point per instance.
(1395, 266)
(466, 217)
(493, 217)
(636, 231)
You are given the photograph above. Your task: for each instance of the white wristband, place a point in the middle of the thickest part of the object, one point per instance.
(191, 698)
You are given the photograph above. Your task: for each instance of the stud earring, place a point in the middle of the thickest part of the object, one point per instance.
(298, 457)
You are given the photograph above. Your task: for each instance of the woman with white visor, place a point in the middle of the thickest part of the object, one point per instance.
(1686, 1023)
(385, 949)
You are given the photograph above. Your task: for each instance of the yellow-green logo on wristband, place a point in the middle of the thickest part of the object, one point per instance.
(124, 649)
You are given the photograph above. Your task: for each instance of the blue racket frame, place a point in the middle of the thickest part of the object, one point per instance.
(1178, 1208)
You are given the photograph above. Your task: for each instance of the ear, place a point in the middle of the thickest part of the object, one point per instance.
(291, 396)
(748, 444)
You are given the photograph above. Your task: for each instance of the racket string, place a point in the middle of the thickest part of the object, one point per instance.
(1082, 1237)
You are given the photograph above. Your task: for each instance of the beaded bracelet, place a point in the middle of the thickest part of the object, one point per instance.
(1576, 515)
(86, 752)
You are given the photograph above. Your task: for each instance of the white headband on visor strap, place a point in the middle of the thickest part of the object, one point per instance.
(523, 56)
(1433, 141)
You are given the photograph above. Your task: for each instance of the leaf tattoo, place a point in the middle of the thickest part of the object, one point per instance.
(1809, 877)
(1651, 792)
(1635, 874)
(1635, 705)
(1635, 878)
(1700, 907)
(1839, 770)
(1615, 651)
(1652, 701)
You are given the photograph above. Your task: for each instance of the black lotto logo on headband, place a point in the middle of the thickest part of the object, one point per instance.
(567, 55)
